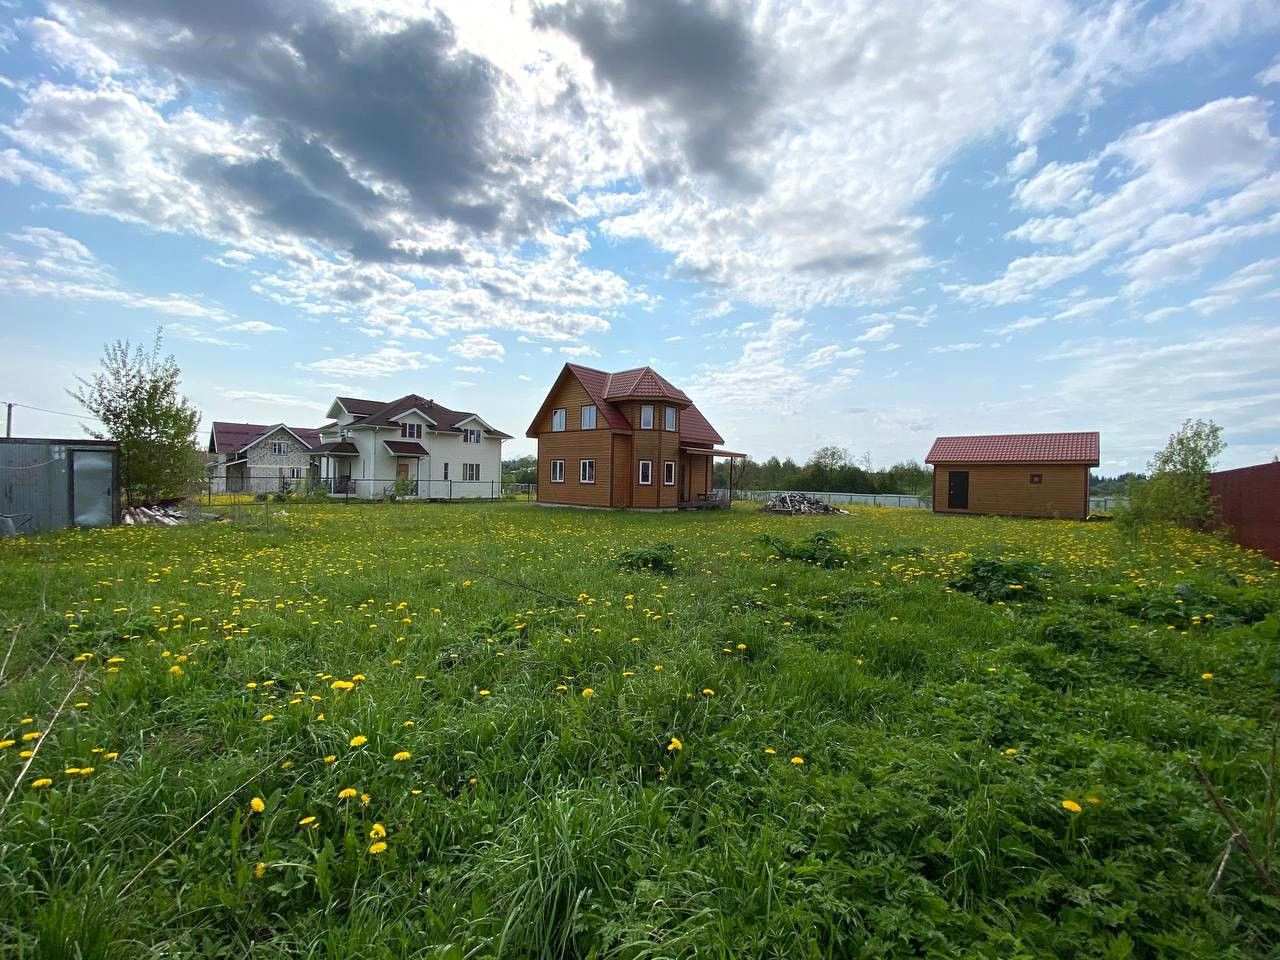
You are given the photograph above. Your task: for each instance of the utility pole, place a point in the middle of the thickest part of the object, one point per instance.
(8, 421)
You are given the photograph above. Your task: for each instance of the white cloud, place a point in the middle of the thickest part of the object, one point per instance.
(881, 331)
(1271, 74)
(379, 363)
(955, 347)
(254, 326)
(1020, 326)
(1023, 162)
(478, 347)
(831, 354)
(580, 352)
(1085, 308)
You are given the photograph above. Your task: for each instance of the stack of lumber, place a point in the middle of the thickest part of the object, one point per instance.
(793, 503)
(154, 516)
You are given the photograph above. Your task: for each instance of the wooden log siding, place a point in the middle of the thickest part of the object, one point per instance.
(573, 445)
(1006, 489)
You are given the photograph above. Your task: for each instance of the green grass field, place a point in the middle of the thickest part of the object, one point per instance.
(468, 731)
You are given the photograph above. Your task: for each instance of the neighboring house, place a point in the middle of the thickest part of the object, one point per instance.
(628, 439)
(258, 458)
(1019, 475)
(412, 447)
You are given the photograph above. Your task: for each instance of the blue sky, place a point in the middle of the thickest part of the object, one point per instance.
(859, 224)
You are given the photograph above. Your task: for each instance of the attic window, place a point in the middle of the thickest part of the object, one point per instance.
(646, 416)
(557, 419)
(411, 431)
(1037, 478)
(589, 417)
(470, 435)
(279, 448)
(671, 419)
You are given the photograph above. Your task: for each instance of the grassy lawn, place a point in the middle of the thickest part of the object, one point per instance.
(959, 738)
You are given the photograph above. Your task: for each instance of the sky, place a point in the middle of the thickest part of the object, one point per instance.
(853, 223)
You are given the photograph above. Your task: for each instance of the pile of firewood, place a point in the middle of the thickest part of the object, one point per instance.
(794, 503)
(153, 516)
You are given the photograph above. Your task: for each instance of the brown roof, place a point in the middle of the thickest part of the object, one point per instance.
(383, 414)
(405, 448)
(1017, 448)
(357, 407)
(338, 448)
(642, 383)
(229, 437)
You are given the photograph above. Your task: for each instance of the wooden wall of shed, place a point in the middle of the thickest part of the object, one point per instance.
(1007, 490)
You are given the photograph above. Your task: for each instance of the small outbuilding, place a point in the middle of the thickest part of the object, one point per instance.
(48, 484)
(1016, 474)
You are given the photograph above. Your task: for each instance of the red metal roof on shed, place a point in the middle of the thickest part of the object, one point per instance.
(1017, 448)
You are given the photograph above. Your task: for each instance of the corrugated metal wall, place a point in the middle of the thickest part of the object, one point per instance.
(36, 481)
(1249, 501)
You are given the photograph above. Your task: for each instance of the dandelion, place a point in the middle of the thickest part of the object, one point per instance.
(175, 671)
(797, 761)
(364, 799)
(769, 751)
(377, 847)
(268, 717)
(675, 745)
(110, 756)
(346, 793)
(402, 756)
(6, 744)
(588, 692)
(1071, 806)
(484, 693)
(1010, 751)
(342, 685)
(708, 692)
(742, 646)
(257, 805)
(377, 832)
(1206, 676)
(41, 783)
(359, 740)
(259, 870)
(306, 821)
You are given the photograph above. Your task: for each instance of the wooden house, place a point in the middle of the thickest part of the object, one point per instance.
(1017, 475)
(627, 439)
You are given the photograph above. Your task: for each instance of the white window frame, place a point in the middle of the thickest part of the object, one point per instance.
(470, 435)
(471, 472)
(646, 473)
(279, 448)
(671, 423)
(557, 420)
(560, 471)
(589, 408)
(586, 471)
(668, 473)
(446, 470)
(646, 416)
(295, 473)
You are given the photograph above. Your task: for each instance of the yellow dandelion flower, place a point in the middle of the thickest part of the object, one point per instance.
(377, 832)
(33, 735)
(588, 692)
(1010, 751)
(359, 740)
(306, 821)
(675, 745)
(175, 670)
(6, 744)
(110, 756)
(484, 693)
(769, 751)
(257, 805)
(402, 756)
(708, 692)
(342, 685)
(346, 793)
(1071, 806)
(330, 758)
(41, 783)
(268, 717)
(71, 771)
(364, 799)
(798, 761)
(259, 870)
(377, 847)
(85, 771)
(1206, 676)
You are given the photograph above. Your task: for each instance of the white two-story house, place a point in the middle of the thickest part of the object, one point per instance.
(411, 447)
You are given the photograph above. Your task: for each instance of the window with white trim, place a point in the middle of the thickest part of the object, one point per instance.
(471, 471)
(646, 416)
(411, 431)
(646, 472)
(557, 419)
(586, 471)
(557, 471)
(669, 473)
(671, 419)
(279, 448)
(589, 417)
(446, 471)
(471, 435)
(295, 473)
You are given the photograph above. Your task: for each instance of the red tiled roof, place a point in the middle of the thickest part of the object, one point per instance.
(644, 382)
(232, 437)
(1017, 448)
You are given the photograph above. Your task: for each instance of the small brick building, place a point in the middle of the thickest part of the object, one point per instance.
(1016, 475)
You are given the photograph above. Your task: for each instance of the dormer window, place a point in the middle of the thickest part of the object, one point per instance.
(646, 416)
(470, 435)
(411, 431)
(557, 419)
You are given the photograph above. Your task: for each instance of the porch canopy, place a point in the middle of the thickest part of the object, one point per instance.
(712, 452)
(336, 448)
(405, 448)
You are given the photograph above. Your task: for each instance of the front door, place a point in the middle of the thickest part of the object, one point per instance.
(958, 490)
(402, 470)
(92, 497)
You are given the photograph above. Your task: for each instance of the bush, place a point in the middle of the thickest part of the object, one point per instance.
(660, 558)
(995, 578)
(819, 548)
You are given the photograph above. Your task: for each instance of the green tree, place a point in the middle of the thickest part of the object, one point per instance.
(135, 397)
(1177, 487)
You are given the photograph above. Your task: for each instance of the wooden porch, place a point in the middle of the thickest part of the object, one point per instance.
(707, 502)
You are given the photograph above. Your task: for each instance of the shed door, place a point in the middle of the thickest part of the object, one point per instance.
(958, 490)
(92, 499)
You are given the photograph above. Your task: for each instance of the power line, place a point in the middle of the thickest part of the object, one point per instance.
(60, 413)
